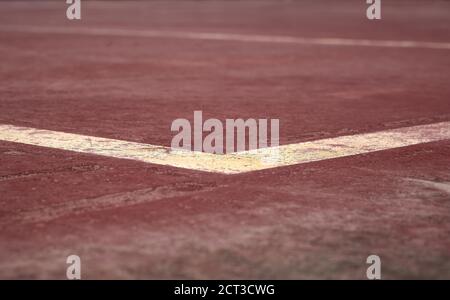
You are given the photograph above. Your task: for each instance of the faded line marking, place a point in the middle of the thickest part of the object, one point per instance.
(75, 168)
(228, 37)
(232, 163)
(80, 206)
(442, 186)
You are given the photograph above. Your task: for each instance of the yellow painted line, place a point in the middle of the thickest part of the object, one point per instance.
(233, 163)
(349, 145)
(127, 150)
(217, 36)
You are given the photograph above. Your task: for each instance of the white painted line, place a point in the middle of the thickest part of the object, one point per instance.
(123, 149)
(147, 33)
(349, 145)
(233, 163)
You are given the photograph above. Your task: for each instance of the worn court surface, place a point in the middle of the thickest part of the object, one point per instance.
(129, 219)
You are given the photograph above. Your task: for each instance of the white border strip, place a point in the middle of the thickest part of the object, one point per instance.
(233, 163)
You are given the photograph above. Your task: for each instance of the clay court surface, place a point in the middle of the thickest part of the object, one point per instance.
(128, 69)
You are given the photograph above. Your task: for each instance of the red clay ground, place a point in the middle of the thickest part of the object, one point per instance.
(127, 219)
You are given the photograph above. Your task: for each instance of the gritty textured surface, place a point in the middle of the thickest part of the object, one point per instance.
(128, 219)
